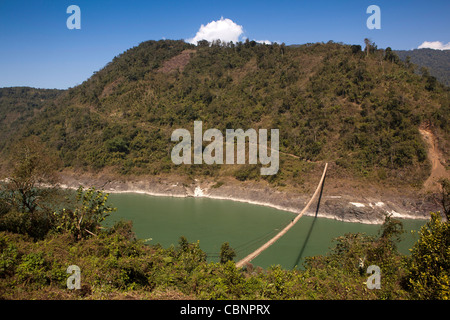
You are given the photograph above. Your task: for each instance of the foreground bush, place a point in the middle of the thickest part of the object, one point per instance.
(115, 265)
(429, 274)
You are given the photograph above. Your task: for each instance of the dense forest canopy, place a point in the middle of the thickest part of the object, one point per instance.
(359, 109)
(20, 104)
(436, 61)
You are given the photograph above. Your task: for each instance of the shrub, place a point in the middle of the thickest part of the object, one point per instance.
(429, 274)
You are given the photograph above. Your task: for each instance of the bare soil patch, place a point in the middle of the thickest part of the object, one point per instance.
(436, 158)
(178, 62)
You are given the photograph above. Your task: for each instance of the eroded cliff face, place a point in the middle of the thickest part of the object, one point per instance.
(349, 206)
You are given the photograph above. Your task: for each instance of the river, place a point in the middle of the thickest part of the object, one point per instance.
(245, 226)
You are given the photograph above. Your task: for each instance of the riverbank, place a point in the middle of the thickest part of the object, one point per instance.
(366, 206)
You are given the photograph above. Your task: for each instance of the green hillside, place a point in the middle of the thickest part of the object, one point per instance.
(18, 105)
(436, 61)
(358, 111)
(331, 102)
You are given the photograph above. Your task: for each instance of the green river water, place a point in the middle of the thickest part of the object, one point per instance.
(245, 226)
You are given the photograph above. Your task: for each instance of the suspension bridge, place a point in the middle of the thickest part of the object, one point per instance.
(258, 251)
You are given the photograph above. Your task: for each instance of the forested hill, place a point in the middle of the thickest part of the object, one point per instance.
(18, 105)
(331, 102)
(436, 61)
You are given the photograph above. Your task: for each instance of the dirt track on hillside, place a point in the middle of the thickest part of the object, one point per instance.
(438, 171)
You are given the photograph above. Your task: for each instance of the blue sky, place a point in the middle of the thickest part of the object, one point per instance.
(38, 50)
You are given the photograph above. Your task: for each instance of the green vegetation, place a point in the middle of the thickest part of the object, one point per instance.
(87, 216)
(226, 253)
(116, 265)
(436, 61)
(429, 272)
(27, 207)
(360, 110)
(20, 104)
(331, 102)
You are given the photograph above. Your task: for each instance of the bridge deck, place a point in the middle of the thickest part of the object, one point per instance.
(255, 253)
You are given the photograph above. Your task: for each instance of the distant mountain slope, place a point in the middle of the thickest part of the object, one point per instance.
(437, 61)
(330, 102)
(18, 105)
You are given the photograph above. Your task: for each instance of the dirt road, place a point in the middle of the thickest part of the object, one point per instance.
(438, 171)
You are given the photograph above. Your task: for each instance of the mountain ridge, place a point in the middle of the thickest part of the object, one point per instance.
(436, 61)
(331, 102)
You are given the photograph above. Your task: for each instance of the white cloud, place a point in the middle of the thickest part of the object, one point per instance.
(264, 41)
(437, 45)
(224, 29)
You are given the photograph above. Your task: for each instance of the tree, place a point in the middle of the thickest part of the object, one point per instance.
(367, 42)
(226, 253)
(429, 274)
(203, 43)
(189, 254)
(391, 231)
(86, 218)
(183, 244)
(408, 63)
(431, 83)
(390, 55)
(371, 47)
(424, 72)
(29, 194)
(32, 179)
(356, 49)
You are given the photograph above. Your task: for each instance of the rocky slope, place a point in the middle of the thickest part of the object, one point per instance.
(335, 204)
